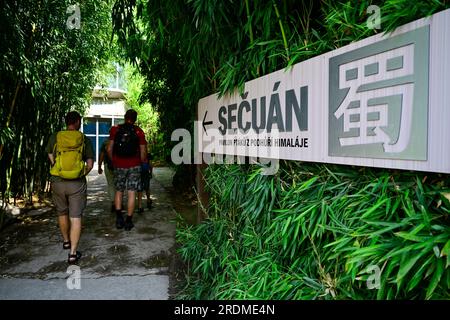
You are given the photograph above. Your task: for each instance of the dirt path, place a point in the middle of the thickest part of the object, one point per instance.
(116, 264)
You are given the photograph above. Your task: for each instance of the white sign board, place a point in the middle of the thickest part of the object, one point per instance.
(381, 102)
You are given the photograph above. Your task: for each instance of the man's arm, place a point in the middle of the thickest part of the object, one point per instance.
(51, 157)
(143, 149)
(110, 148)
(90, 165)
(50, 149)
(142, 146)
(89, 155)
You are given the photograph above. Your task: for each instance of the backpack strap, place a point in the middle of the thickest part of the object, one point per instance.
(54, 146)
(55, 155)
(83, 146)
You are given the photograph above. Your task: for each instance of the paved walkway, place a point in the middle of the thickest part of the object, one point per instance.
(116, 264)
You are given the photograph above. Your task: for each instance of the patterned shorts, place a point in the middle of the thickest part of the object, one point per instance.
(127, 179)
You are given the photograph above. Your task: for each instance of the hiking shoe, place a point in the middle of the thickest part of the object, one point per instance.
(119, 221)
(128, 224)
(140, 210)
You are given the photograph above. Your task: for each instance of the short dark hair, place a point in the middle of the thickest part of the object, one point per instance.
(72, 117)
(131, 115)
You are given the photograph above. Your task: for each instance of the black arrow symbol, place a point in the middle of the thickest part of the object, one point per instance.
(206, 123)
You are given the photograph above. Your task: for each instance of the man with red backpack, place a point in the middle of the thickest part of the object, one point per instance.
(128, 151)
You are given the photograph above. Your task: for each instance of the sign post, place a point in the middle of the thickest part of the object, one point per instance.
(380, 102)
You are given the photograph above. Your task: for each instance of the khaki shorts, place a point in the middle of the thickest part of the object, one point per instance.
(70, 196)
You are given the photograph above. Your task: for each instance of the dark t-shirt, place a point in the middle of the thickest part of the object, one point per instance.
(121, 162)
(88, 151)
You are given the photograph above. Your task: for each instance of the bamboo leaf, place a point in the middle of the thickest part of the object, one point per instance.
(435, 279)
(407, 265)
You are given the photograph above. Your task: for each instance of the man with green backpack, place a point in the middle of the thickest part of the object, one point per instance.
(72, 158)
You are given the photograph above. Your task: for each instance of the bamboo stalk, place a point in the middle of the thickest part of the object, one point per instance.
(11, 110)
(282, 30)
(247, 7)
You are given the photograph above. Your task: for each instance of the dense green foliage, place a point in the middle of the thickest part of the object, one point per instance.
(46, 70)
(159, 65)
(310, 231)
(314, 231)
(194, 48)
(188, 49)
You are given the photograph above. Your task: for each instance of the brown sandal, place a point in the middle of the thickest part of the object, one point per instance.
(66, 245)
(73, 258)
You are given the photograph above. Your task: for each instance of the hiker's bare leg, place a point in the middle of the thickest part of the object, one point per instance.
(75, 232)
(131, 201)
(64, 226)
(139, 199)
(118, 200)
(110, 182)
(149, 200)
